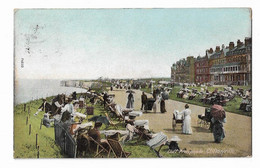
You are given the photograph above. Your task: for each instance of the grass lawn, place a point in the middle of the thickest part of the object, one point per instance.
(25, 144)
(232, 106)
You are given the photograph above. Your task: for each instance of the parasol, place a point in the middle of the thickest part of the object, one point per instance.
(101, 119)
(130, 91)
(218, 112)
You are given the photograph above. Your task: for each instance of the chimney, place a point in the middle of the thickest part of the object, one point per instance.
(231, 45)
(210, 50)
(248, 41)
(239, 43)
(217, 49)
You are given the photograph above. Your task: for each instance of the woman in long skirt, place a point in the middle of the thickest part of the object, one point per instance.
(130, 101)
(218, 129)
(162, 106)
(186, 127)
(156, 104)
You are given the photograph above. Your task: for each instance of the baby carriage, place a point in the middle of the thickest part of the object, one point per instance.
(177, 119)
(205, 120)
(149, 104)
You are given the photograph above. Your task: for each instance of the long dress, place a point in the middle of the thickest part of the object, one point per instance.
(162, 105)
(218, 129)
(186, 128)
(156, 104)
(130, 101)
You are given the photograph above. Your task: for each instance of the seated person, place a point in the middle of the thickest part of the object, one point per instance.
(131, 131)
(180, 94)
(173, 143)
(192, 96)
(121, 111)
(45, 106)
(95, 134)
(249, 108)
(185, 96)
(46, 121)
(244, 103)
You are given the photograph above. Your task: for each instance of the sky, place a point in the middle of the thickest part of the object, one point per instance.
(119, 43)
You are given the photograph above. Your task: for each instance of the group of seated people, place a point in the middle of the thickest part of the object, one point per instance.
(187, 94)
(66, 114)
(215, 97)
(246, 104)
(140, 128)
(60, 109)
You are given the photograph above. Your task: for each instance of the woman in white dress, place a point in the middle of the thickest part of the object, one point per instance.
(156, 104)
(186, 127)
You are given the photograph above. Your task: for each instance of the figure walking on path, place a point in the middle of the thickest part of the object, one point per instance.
(162, 106)
(130, 101)
(144, 101)
(218, 118)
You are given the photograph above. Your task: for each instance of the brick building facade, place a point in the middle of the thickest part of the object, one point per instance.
(225, 65)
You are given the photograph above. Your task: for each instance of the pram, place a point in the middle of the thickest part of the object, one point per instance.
(205, 120)
(149, 104)
(176, 119)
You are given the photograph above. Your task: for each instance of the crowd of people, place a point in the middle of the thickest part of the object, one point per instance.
(217, 96)
(64, 109)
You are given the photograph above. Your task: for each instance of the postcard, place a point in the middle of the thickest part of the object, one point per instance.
(132, 83)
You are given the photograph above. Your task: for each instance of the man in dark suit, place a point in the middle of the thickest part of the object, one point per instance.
(45, 106)
(144, 100)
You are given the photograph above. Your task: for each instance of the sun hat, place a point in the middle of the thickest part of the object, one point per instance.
(175, 138)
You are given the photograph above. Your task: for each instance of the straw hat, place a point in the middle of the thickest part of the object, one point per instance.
(175, 138)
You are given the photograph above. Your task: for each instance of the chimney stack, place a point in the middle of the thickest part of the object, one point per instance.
(217, 49)
(210, 50)
(231, 45)
(239, 43)
(248, 41)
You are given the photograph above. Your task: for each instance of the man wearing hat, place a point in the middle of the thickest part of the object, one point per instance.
(45, 106)
(144, 101)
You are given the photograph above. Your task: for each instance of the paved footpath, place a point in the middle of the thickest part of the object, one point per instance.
(201, 143)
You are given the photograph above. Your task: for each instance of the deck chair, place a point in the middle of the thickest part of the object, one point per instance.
(119, 112)
(117, 149)
(114, 124)
(160, 140)
(114, 112)
(143, 133)
(100, 148)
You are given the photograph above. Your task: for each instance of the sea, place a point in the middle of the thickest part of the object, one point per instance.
(26, 90)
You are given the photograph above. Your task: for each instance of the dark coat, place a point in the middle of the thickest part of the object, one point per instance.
(46, 107)
(95, 134)
(144, 98)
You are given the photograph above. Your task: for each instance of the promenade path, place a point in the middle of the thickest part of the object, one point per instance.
(238, 129)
